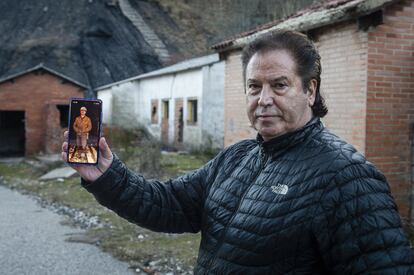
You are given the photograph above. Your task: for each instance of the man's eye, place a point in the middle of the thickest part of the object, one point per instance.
(279, 85)
(254, 86)
(253, 89)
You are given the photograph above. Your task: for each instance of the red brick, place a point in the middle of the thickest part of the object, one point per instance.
(366, 80)
(38, 94)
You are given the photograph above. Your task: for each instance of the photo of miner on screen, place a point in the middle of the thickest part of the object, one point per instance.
(84, 132)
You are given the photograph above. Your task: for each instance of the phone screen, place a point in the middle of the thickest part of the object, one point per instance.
(84, 131)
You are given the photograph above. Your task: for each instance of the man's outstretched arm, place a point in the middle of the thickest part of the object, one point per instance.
(172, 206)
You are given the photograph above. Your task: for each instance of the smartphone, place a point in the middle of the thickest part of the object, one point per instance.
(85, 116)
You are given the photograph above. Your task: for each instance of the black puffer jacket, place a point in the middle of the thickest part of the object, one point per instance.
(303, 203)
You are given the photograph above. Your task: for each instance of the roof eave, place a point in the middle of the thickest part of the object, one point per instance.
(213, 58)
(311, 20)
(42, 66)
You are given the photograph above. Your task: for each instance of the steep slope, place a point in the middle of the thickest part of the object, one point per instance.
(97, 42)
(89, 41)
(203, 23)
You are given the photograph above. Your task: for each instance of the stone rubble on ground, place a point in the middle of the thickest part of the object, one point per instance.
(11, 160)
(166, 266)
(49, 159)
(81, 219)
(62, 172)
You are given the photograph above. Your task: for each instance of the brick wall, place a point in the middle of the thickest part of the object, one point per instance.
(367, 81)
(236, 123)
(390, 99)
(53, 130)
(32, 93)
(343, 50)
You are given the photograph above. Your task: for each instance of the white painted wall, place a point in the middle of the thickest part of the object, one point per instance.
(213, 106)
(106, 97)
(119, 101)
(129, 104)
(188, 84)
(157, 87)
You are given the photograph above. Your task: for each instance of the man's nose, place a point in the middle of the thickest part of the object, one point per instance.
(266, 96)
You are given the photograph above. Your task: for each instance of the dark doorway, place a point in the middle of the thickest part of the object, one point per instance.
(165, 122)
(180, 125)
(64, 115)
(12, 133)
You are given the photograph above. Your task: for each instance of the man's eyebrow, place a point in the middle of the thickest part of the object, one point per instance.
(281, 78)
(276, 79)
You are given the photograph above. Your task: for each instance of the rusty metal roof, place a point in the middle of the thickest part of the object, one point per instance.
(318, 15)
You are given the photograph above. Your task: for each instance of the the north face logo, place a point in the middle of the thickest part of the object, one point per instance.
(280, 189)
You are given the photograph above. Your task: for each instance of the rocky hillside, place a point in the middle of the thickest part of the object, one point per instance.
(89, 41)
(97, 42)
(202, 23)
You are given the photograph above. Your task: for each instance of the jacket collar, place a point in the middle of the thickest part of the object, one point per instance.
(279, 144)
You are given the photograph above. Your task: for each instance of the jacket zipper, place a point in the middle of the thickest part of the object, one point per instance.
(263, 161)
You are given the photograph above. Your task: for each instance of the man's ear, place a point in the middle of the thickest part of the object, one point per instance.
(311, 91)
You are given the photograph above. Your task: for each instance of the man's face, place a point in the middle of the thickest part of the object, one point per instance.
(82, 112)
(276, 102)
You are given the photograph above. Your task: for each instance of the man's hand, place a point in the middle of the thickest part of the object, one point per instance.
(88, 172)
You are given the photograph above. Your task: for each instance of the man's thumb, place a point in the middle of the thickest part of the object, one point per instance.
(104, 148)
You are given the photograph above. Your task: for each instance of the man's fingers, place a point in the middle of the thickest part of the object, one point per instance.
(104, 147)
(64, 146)
(64, 156)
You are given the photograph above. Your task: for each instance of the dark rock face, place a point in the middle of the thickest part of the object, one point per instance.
(88, 41)
(94, 43)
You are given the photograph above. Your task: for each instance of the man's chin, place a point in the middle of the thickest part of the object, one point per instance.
(270, 133)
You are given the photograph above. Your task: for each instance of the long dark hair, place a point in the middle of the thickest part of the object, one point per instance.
(305, 54)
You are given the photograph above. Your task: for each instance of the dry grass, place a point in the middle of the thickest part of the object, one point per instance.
(138, 246)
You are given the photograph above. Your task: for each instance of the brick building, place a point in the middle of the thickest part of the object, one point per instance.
(64, 49)
(34, 110)
(367, 50)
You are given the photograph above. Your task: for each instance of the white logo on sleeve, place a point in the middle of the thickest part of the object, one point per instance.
(280, 189)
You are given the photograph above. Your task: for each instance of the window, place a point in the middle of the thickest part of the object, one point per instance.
(154, 111)
(192, 111)
(165, 109)
(154, 114)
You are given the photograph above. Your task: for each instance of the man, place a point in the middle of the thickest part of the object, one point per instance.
(82, 127)
(297, 200)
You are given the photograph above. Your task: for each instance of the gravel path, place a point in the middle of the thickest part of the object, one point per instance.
(32, 241)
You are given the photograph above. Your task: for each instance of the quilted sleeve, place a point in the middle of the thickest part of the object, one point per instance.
(173, 206)
(357, 226)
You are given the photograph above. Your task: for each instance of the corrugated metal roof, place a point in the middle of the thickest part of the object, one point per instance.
(179, 67)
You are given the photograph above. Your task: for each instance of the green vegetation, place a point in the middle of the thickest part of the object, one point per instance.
(126, 241)
(20, 170)
(129, 242)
